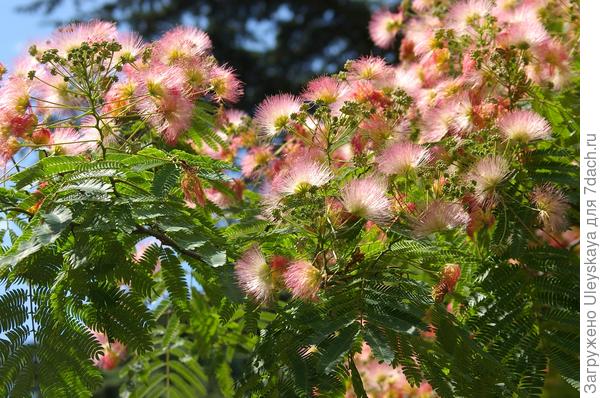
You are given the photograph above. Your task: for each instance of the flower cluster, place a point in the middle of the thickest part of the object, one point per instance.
(83, 88)
(381, 380)
(432, 145)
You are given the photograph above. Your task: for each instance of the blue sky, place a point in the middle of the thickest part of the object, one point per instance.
(17, 29)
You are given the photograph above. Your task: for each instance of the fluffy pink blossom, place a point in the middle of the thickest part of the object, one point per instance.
(68, 141)
(523, 34)
(550, 64)
(301, 174)
(233, 117)
(324, 88)
(381, 380)
(274, 112)
(384, 26)
(303, 280)
(366, 197)
(437, 123)
(15, 95)
(254, 275)
(373, 69)
(8, 148)
(552, 207)
(440, 216)
(163, 101)
(71, 36)
(256, 157)
(132, 46)
(224, 84)
(487, 174)
(112, 352)
(181, 44)
(401, 158)
(523, 126)
(466, 13)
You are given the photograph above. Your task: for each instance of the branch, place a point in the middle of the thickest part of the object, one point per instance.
(168, 241)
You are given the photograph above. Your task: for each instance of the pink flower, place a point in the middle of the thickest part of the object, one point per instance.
(224, 84)
(466, 13)
(301, 174)
(384, 26)
(401, 158)
(256, 157)
(303, 280)
(373, 69)
(326, 89)
(68, 141)
(180, 44)
(550, 64)
(163, 101)
(132, 46)
(14, 95)
(487, 174)
(273, 114)
(71, 36)
(233, 117)
(112, 352)
(440, 216)
(552, 207)
(523, 126)
(254, 275)
(8, 148)
(366, 198)
(523, 34)
(437, 123)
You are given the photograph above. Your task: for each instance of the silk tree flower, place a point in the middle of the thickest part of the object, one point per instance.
(68, 141)
(366, 198)
(487, 174)
(273, 114)
(466, 13)
(112, 352)
(163, 101)
(233, 117)
(224, 84)
(256, 157)
(384, 26)
(523, 34)
(369, 68)
(524, 126)
(550, 64)
(437, 123)
(254, 275)
(326, 89)
(132, 46)
(71, 36)
(552, 207)
(302, 174)
(303, 280)
(401, 158)
(440, 216)
(181, 44)
(9, 146)
(14, 104)
(119, 99)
